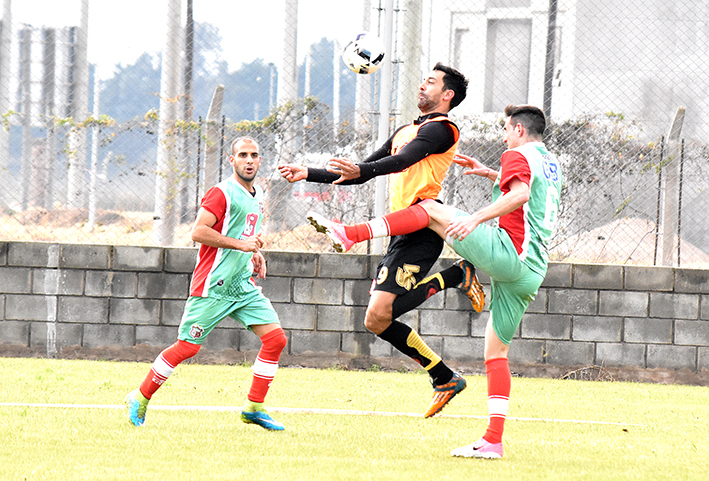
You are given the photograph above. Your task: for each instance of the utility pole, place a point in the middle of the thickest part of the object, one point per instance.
(411, 53)
(5, 53)
(79, 111)
(166, 184)
(187, 139)
(385, 82)
(550, 66)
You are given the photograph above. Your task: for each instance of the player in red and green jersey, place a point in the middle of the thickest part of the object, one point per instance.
(227, 227)
(514, 252)
(416, 158)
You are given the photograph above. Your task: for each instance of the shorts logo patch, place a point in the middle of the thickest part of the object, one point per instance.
(196, 332)
(405, 276)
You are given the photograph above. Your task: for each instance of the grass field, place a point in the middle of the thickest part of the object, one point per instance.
(556, 430)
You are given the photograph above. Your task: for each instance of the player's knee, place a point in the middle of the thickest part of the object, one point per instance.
(276, 341)
(376, 321)
(281, 340)
(185, 350)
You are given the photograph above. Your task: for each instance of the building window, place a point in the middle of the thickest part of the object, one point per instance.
(507, 62)
(508, 3)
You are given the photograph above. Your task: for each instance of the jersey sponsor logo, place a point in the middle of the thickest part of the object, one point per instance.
(405, 276)
(196, 332)
(250, 228)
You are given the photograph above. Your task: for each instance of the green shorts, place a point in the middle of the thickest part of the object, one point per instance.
(202, 314)
(513, 284)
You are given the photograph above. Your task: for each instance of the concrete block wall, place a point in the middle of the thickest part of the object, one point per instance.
(56, 297)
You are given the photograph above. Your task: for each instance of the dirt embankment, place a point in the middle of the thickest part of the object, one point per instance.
(147, 354)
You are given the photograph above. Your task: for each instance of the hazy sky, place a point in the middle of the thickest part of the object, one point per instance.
(121, 30)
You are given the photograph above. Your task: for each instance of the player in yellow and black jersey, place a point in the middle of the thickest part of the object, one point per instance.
(416, 157)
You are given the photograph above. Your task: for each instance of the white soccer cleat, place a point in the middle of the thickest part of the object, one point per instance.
(334, 230)
(479, 449)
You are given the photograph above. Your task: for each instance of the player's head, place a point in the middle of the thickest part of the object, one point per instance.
(245, 159)
(530, 116)
(524, 123)
(455, 81)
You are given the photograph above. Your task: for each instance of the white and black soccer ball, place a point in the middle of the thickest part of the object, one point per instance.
(364, 54)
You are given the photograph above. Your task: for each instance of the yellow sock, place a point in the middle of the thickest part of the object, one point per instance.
(414, 341)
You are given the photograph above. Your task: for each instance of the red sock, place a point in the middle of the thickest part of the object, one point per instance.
(498, 397)
(401, 222)
(165, 364)
(266, 364)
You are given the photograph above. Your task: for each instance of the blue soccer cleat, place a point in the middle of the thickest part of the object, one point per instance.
(262, 419)
(137, 404)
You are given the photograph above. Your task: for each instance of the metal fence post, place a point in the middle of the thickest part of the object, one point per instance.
(211, 142)
(670, 189)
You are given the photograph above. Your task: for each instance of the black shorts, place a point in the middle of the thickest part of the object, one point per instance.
(407, 261)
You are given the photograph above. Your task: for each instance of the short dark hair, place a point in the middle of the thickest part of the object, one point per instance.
(531, 117)
(455, 81)
(244, 138)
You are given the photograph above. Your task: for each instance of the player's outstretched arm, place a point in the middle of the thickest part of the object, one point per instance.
(476, 167)
(345, 168)
(293, 173)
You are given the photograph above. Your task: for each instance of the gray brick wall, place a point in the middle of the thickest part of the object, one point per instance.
(94, 297)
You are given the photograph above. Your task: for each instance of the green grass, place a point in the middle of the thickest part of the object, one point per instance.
(41, 443)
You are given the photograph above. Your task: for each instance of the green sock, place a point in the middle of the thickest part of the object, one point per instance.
(141, 399)
(251, 407)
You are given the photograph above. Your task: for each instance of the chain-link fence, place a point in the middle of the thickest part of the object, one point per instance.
(124, 158)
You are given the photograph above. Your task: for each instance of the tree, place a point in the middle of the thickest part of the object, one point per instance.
(133, 90)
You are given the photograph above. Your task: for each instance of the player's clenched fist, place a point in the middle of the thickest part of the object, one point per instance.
(251, 244)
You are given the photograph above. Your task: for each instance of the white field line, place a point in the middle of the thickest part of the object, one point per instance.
(339, 412)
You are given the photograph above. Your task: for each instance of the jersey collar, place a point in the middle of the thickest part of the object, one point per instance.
(424, 118)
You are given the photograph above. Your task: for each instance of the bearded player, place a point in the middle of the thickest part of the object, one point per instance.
(416, 158)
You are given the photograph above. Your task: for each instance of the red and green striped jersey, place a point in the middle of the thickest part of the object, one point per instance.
(531, 226)
(221, 272)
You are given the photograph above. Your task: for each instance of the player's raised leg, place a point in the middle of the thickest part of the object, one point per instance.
(427, 213)
(273, 341)
(343, 236)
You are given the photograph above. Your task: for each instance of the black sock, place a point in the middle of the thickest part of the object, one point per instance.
(404, 303)
(406, 340)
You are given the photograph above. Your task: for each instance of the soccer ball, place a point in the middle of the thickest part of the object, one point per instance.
(364, 54)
